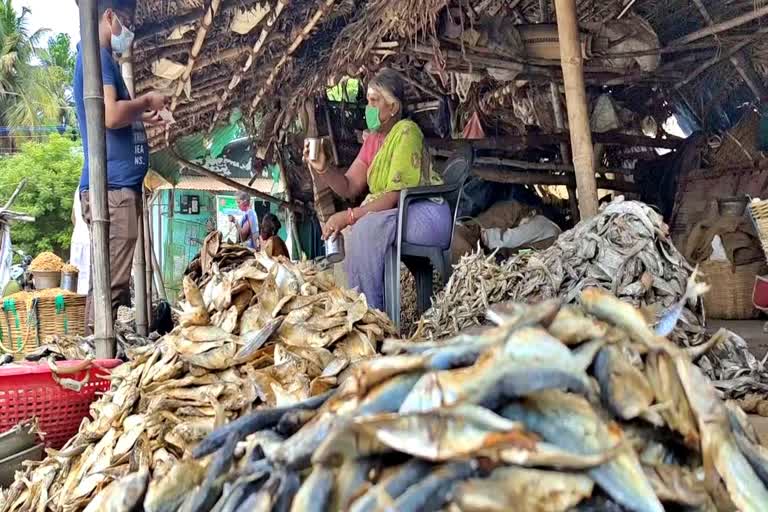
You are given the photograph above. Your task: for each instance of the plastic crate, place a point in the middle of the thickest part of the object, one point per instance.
(28, 390)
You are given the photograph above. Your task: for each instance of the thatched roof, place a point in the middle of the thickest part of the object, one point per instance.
(266, 58)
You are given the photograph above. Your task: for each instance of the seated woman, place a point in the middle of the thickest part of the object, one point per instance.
(271, 243)
(393, 157)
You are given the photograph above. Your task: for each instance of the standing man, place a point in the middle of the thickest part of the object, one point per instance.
(80, 247)
(249, 226)
(127, 149)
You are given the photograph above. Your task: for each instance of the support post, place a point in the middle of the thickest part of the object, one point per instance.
(571, 61)
(139, 257)
(93, 97)
(147, 258)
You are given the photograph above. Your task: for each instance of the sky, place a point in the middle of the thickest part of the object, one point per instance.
(56, 15)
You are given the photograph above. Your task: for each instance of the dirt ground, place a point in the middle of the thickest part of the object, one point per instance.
(757, 339)
(750, 330)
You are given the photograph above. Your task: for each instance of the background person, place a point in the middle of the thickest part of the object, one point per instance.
(249, 225)
(271, 243)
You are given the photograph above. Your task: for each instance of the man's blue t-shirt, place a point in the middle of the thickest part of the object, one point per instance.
(127, 148)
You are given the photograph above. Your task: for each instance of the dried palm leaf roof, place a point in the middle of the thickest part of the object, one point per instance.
(266, 57)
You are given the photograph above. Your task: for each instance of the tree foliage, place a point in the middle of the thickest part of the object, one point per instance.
(31, 95)
(53, 168)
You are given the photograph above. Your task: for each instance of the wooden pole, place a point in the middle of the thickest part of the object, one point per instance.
(721, 27)
(93, 97)
(147, 247)
(157, 275)
(565, 151)
(576, 103)
(139, 259)
(199, 169)
(748, 75)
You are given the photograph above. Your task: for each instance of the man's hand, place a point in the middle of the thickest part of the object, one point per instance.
(155, 101)
(152, 118)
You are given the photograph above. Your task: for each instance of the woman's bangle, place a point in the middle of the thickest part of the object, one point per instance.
(351, 213)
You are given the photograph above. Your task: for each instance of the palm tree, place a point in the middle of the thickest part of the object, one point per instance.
(28, 92)
(58, 59)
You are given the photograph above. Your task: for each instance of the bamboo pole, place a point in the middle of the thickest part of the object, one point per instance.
(721, 27)
(565, 150)
(202, 31)
(733, 50)
(157, 275)
(576, 101)
(199, 169)
(305, 32)
(197, 46)
(147, 248)
(93, 97)
(255, 52)
(752, 81)
(139, 259)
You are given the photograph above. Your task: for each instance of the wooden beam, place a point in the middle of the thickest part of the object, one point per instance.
(206, 22)
(516, 143)
(576, 103)
(546, 178)
(741, 64)
(321, 11)
(199, 169)
(721, 27)
(757, 36)
(255, 52)
(544, 166)
(151, 29)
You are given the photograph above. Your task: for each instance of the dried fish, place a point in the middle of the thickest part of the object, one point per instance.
(215, 367)
(507, 417)
(523, 489)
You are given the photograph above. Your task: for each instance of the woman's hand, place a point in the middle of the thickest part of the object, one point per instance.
(320, 165)
(335, 224)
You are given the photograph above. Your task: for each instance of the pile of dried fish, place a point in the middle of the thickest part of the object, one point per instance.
(624, 249)
(262, 334)
(556, 408)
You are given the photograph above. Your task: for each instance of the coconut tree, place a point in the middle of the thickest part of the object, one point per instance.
(28, 92)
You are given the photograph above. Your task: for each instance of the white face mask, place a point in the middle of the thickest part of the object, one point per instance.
(122, 43)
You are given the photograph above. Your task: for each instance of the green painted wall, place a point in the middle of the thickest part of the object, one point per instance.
(182, 235)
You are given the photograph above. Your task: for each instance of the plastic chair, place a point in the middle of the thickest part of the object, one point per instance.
(422, 259)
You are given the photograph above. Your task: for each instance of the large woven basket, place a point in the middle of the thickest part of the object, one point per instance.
(24, 325)
(730, 294)
(759, 211)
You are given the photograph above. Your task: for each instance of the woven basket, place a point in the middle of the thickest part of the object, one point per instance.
(759, 211)
(730, 294)
(24, 324)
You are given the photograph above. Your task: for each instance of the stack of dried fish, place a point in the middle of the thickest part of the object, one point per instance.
(262, 334)
(611, 415)
(624, 249)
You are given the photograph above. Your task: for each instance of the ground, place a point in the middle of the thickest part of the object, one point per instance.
(750, 330)
(757, 339)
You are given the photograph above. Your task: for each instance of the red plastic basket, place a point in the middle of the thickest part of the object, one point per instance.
(28, 390)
